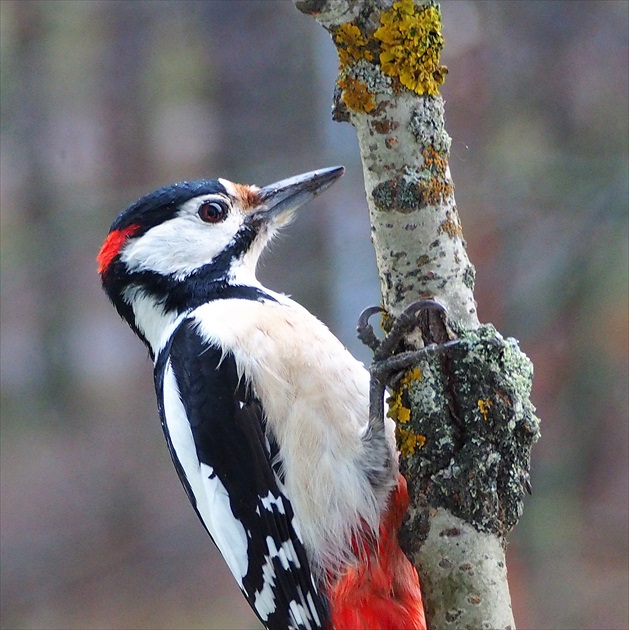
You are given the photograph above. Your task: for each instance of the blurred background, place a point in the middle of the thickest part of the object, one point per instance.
(104, 101)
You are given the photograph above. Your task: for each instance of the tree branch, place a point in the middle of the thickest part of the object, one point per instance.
(465, 423)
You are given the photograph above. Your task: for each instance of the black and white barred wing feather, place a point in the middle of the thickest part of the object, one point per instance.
(215, 431)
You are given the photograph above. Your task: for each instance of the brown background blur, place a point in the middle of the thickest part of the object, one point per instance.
(104, 101)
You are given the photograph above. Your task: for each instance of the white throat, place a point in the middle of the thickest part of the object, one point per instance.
(155, 324)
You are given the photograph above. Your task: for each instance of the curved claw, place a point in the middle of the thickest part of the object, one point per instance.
(404, 323)
(363, 318)
(426, 304)
(408, 317)
(365, 330)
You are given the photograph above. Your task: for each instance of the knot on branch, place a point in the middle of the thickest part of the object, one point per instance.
(472, 410)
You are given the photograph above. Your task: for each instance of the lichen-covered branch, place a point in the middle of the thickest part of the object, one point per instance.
(388, 87)
(465, 431)
(465, 423)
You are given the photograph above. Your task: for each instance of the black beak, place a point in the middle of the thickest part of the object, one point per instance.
(281, 199)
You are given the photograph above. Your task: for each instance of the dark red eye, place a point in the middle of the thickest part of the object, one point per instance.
(213, 211)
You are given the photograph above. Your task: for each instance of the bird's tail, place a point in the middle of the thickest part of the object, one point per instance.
(382, 591)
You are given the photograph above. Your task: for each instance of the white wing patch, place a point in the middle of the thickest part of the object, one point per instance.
(300, 614)
(228, 533)
(269, 501)
(212, 500)
(265, 599)
(313, 608)
(285, 553)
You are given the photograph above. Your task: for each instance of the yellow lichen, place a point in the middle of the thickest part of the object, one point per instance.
(352, 47)
(483, 407)
(451, 227)
(408, 441)
(397, 410)
(403, 414)
(434, 160)
(438, 186)
(386, 322)
(410, 46)
(351, 44)
(412, 375)
(356, 95)
(436, 191)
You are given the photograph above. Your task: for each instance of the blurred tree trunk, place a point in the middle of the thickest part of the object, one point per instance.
(126, 105)
(465, 423)
(45, 282)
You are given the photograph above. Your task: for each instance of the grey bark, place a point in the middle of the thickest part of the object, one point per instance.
(465, 423)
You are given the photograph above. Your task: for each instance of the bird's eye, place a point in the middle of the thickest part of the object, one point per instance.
(213, 211)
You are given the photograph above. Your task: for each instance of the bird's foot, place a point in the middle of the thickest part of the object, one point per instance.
(388, 366)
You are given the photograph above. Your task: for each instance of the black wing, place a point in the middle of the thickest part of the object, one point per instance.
(216, 435)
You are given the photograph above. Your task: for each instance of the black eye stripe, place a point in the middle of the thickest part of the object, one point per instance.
(213, 211)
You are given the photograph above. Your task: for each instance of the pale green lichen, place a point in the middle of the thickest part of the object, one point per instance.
(428, 185)
(469, 277)
(403, 194)
(372, 76)
(427, 125)
(360, 83)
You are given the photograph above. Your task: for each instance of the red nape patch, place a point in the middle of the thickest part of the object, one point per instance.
(112, 246)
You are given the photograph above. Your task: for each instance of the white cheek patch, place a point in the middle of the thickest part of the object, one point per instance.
(180, 245)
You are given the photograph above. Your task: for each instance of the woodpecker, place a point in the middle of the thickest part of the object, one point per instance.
(265, 412)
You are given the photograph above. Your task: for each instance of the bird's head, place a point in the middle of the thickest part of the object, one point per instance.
(174, 247)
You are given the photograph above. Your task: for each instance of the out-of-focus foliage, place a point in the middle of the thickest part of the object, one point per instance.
(104, 101)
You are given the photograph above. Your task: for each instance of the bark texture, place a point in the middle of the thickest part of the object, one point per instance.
(465, 423)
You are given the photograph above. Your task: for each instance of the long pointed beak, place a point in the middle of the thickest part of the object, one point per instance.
(281, 199)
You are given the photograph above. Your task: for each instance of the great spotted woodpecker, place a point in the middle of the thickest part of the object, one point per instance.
(265, 413)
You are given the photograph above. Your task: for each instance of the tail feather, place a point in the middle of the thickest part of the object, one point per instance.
(382, 592)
